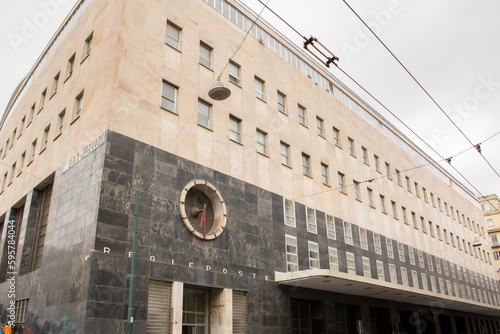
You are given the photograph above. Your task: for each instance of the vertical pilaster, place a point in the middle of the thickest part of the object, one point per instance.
(221, 311)
(177, 294)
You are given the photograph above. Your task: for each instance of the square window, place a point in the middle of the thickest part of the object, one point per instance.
(234, 129)
(320, 124)
(306, 164)
(302, 115)
(204, 114)
(205, 55)
(259, 88)
(282, 102)
(173, 36)
(169, 97)
(325, 174)
(234, 73)
(285, 154)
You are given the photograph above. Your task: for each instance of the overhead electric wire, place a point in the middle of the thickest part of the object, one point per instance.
(478, 149)
(388, 110)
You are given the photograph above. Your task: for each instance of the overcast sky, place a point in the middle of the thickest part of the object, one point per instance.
(451, 47)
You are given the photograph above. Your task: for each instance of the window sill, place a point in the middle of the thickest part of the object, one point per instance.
(43, 150)
(39, 110)
(236, 142)
(283, 113)
(19, 173)
(309, 176)
(261, 99)
(19, 135)
(287, 166)
(338, 146)
(173, 48)
(263, 154)
(59, 135)
(359, 200)
(207, 67)
(327, 185)
(366, 164)
(170, 111)
(29, 123)
(304, 125)
(371, 206)
(204, 127)
(73, 121)
(352, 155)
(50, 98)
(322, 136)
(67, 78)
(86, 56)
(29, 163)
(9, 184)
(343, 192)
(236, 84)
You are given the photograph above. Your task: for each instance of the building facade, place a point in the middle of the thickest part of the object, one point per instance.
(491, 208)
(290, 207)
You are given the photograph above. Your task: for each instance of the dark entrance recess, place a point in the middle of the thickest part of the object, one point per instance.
(427, 322)
(408, 325)
(461, 326)
(308, 317)
(445, 323)
(380, 319)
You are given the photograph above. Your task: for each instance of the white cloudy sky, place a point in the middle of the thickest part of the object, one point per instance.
(451, 47)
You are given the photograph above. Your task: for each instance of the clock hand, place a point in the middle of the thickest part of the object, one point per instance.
(203, 218)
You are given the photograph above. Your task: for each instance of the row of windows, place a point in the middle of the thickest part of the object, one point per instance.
(314, 263)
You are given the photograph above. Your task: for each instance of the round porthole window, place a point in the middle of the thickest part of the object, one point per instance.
(203, 210)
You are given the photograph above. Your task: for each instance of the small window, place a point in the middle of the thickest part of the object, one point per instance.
(320, 124)
(414, 219)
(426, 199)
(45, 138)
(4, 182)
(408, 184)
(261, 142)
(363, 238)
(404, 276)
(398, 177)
(351, 263)
(388, 170)
(21, 126)
(366, 160)
(325, 174)
(70, 66)
(282, 102)
(21, 163)
(60, 122)
(306, 164)
(347, 233)
(291, 253)
(392, 273)
(382, 204)
(394, 210)
(311, 220)
(33, 148)
(285, 154)
(411, 255)
(490, 223)
(370, 197)
(417, 191)
(342, 185)
(42, 100)
(366, 267)
(55, 83)
(12, 172)
(259, 88)
(330, 227)
(336, 137)
(31, 114)
(422, 224)
(78, 105)
(405, 217)
(357, 190)
(313, 255)
(390, 249)
(302, 115)
(289, 207)
(21, 306)
(380, 271)
(429, 262)
(205, 55)
(431, 229)
(334, 258)
(376, 243)
(173, 36)
(169, 97)
(234, 129)
(377, 163)
(88, 45)
(234, 73)
(204, 114)
(352, 147)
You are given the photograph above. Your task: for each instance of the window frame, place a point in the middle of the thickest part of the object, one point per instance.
(165, 97)
(262, 142)
(285, 146)
(260, 94)
(173, 41)
(208, 106)
(282, 105)
(234, 134)
(306, 164)
(205, 60)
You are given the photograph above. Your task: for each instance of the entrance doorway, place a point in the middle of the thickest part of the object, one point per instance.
(195, 311)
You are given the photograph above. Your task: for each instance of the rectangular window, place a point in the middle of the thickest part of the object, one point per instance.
(392, 272)
(324, 174)
(282, 102)
(55, 83)
(291, 253)
(382, 204)
(13, 138)
(394, 210)
(261, 142)
(234, 129)
(421, 259)
(42, 100)
(234, 73)
(494, 240)
(285, 154)
(205, 55)
(377, 163)
(60, 122)
(446, 209)
(404, 276)
(204, 114)
(490, 223)
(313, 255)
(380, 271)
(388, 171)
(302, 115)
(169, 97)
(405, 218)
(370, 197)
(357, 190)
(240, 312)
(408, 184)
(422, 224)
(411, 255)
(414, 279)
(347, 233)
(376, 243)
(289, 207)
(259, 88)
(45, 138)
(78, 105)
(21, 126)
(21, 307)
(417, 191)
(390, 249)
(426, 199)
(334, 258)
(195, 310)
(363, 238)
(431, 228)
(440, 205)
(88, 45)
(4, 182)
(401, 252)
(351, 264)
(429, 262)
(445, 267)
(336, 137)
(31, 114)
(306, 164)
(342, 185)
(40, 228)
(425, 285)
(12, 173)
(365, 156)
(352, 147)
(433, 284)
(433, 202)
(159, 307)
(330, 227)
(21, 163)
(320, 124)
(173, 36)
(398, 177)
(414, 218)
(70, 66)
(311, 220)
(366, 267)
(33, 148)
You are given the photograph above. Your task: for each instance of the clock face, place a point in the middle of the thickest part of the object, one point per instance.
(203, 210)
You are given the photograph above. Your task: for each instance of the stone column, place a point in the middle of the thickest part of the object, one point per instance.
(221, 311)
(177, 294)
